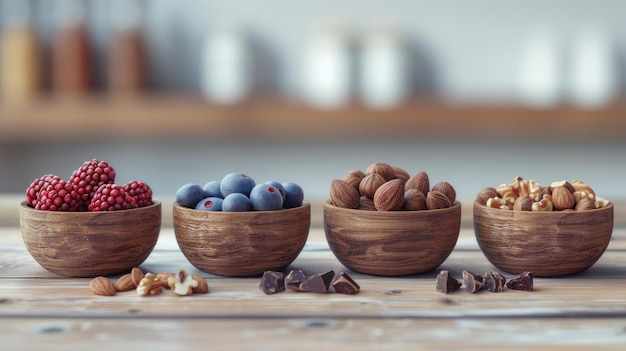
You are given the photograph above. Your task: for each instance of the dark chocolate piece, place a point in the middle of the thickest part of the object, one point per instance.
(523, 281)
(472, 281)
(318, 283)
(294, 279)
(272, 282)
(446, 282)
(494, 281)
(343, 284)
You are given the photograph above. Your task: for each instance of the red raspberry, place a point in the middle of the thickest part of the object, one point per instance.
(61, 196)
(90, 176)
(140, 191)
(111, 197)
(38, 184)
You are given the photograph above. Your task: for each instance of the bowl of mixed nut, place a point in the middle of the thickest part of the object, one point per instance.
(383, 221)
(554, 230)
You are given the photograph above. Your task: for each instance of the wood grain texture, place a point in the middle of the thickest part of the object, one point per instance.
(89, 244)
(315, 333)
(549, 244)
(583, 311)
(241, 243)
(391, 243)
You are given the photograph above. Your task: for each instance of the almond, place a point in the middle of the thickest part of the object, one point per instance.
(414, 200)
(366, 204)
(354, 177)
(400, 173)
(125, 283)
(486, 194)
(381, 168)
(203, 286)
(102, 286)
(344, 195)
(523, 203)
(564, 183)
(136, 274)
(420, 182)
(436, 200)
(390, 196)
(562, 198)
(447, 189)
(370, 183)
(585, 204)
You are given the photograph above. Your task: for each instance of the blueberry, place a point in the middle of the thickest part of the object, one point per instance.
(278, 186)
(210, 204)
(212, 188)
(294, 195)
(189, 194)
(236, 202)
(265, 197)
(236, 183)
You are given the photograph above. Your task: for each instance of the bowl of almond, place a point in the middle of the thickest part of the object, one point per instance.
(552, 231)
(384, 222)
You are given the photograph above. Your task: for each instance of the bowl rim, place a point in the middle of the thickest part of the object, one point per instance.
(25, 206)
(305, 204)
(543, 213)
(398, 213)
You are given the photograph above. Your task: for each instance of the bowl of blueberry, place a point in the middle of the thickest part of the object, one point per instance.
(88, 225)
(237, 227)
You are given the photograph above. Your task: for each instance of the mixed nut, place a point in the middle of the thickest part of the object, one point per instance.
(527, 195)
(181, 283)
(383, 187)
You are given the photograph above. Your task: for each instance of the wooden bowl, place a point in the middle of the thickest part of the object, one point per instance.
(392, 243)
(90, 244)
(241, 244)
(548, 244)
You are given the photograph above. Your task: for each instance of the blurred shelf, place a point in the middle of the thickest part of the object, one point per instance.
(190, 118)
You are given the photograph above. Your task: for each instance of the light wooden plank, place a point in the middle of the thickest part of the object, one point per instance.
(596, 292)
(39, 309)
(313, 334)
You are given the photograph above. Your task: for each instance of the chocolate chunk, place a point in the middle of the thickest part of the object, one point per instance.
(318, 283)
(294, 279)
(494, 281)
(446, 282)
(472, 281)
(345, 285)
(272, 282)
(523, 281)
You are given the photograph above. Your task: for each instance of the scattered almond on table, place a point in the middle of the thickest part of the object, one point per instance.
(146, 284)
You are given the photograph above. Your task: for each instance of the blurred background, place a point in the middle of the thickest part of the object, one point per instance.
(474, 93)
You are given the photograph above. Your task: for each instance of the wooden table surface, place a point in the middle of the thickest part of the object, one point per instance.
(40, 310)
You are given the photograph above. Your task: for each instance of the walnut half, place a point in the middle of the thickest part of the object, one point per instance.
(182, 284)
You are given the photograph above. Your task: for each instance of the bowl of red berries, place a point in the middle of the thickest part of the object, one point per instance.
(89, 225)
(236, 227)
